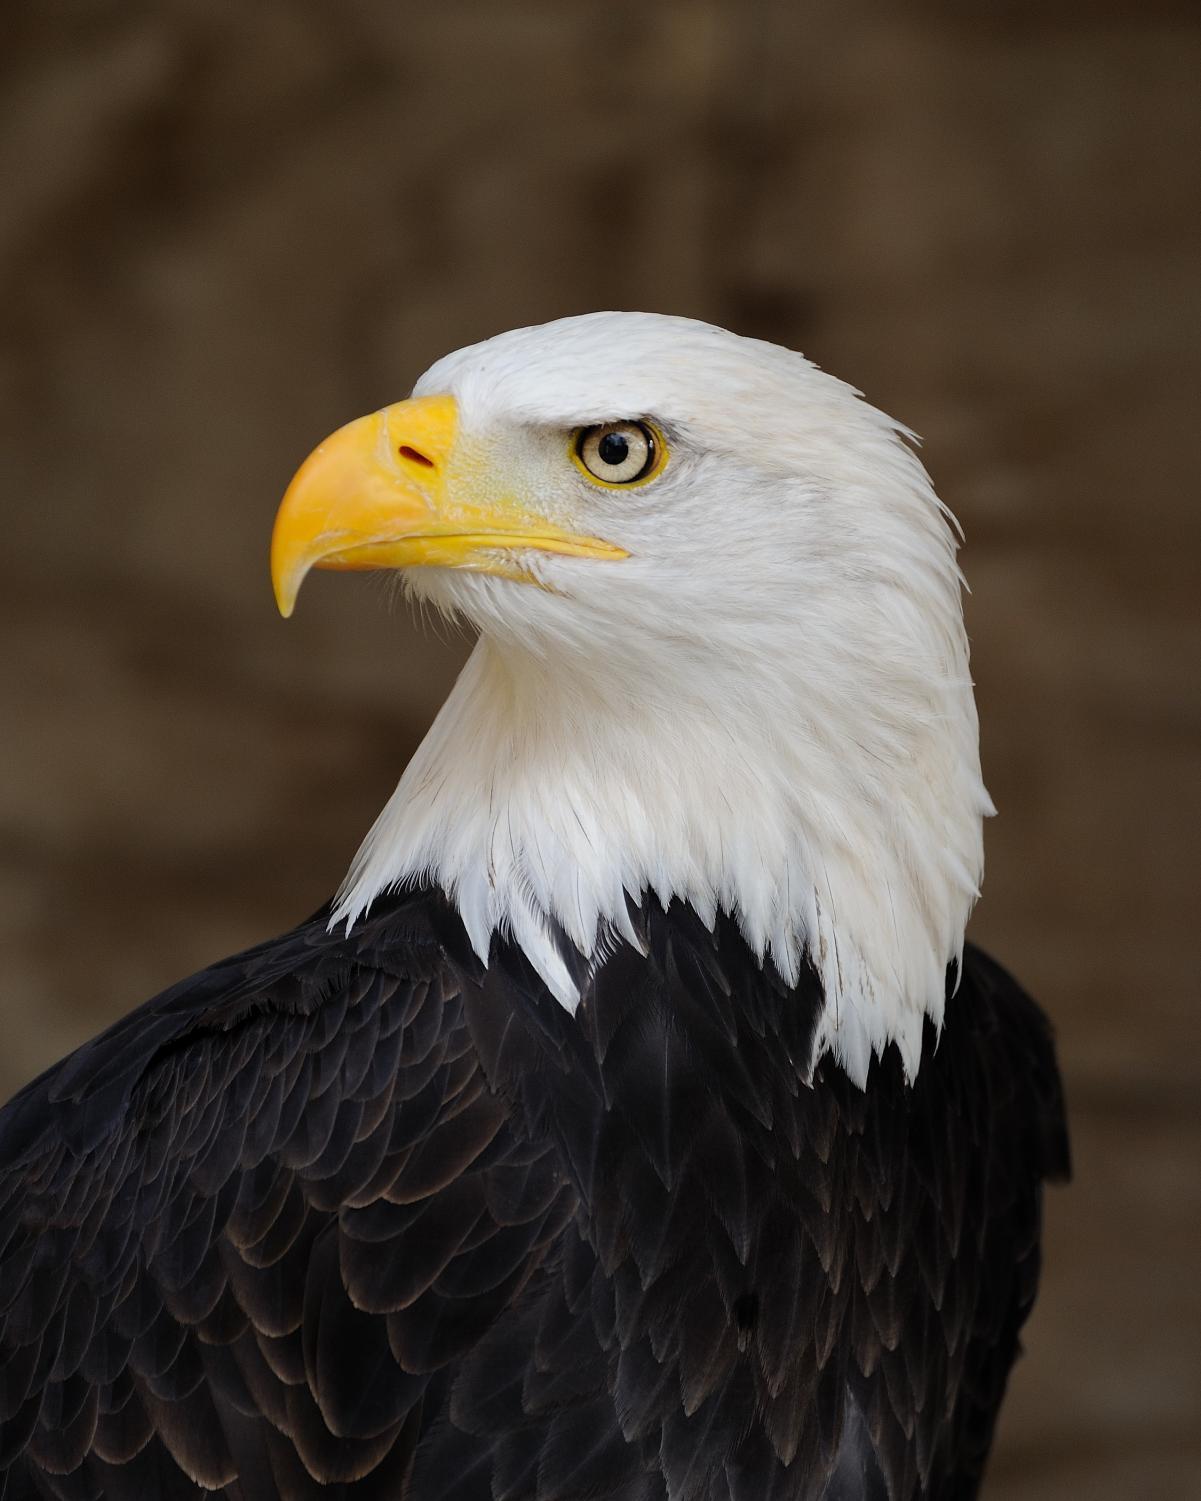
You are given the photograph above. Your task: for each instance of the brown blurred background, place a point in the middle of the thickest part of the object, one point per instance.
(227, 228)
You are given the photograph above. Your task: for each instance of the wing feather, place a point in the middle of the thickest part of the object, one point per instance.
(351, 1216)
(211, 1216)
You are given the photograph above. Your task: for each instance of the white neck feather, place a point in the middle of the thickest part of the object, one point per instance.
(537, 794)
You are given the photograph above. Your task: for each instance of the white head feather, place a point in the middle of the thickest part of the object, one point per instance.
(765, 709)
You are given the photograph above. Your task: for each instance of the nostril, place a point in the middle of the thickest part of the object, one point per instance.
(415, 456)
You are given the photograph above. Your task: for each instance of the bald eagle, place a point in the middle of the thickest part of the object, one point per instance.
(634, 1123)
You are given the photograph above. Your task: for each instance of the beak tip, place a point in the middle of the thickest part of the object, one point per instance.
(285, 590)
(287, 573)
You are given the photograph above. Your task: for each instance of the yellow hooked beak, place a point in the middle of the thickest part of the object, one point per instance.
(375, 495)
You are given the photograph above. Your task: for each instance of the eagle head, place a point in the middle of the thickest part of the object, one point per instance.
(721, 658)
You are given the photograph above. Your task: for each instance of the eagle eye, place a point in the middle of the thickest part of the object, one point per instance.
(618, 453)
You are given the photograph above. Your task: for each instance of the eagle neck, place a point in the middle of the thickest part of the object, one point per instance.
(543, 800)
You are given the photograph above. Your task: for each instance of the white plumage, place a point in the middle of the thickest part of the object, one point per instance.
(766, 708)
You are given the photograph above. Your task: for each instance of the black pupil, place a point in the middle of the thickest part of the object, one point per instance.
(613, 448)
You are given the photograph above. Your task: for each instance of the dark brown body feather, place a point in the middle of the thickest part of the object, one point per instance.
(354, 1217)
